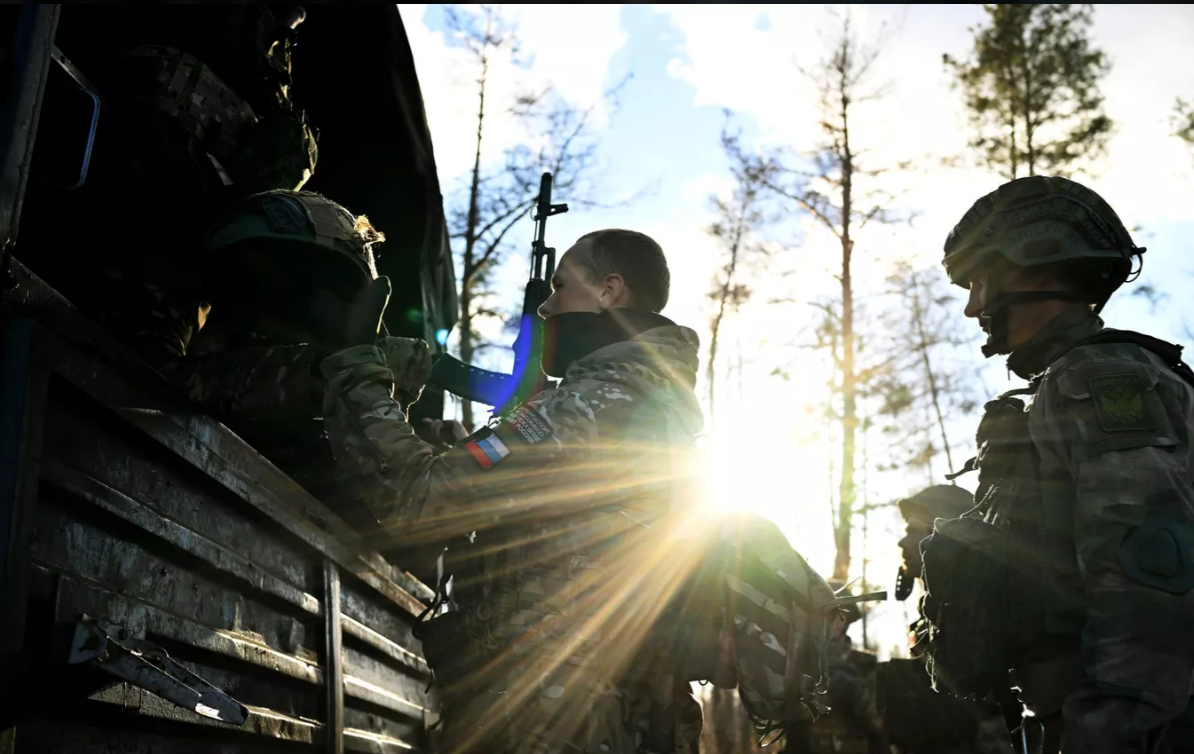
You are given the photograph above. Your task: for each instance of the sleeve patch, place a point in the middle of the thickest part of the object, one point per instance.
(1157, 554)
(1120, 403)
(530, 426)
(487, 448)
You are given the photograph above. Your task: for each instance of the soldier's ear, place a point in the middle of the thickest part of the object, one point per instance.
(614, 292)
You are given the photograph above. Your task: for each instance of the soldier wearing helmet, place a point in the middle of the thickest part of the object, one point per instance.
(919, 512)
(582, 602)
(1076, 568)
(916, 720)
(177, 144)
(283, 271)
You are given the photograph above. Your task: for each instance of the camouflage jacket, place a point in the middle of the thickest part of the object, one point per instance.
(569, 496)
(271, 382)
(918, 720)
(278, 383)
(1101, 541)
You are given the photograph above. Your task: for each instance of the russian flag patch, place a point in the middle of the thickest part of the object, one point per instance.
(487, 449)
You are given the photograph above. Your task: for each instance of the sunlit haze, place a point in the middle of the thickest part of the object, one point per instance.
(769, 446)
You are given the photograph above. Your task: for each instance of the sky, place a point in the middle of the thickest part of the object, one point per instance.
(687, 65)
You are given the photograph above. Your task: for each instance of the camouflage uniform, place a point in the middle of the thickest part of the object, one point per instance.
(917, 720)
(1085, 498)
(570, 496)
(178, 145)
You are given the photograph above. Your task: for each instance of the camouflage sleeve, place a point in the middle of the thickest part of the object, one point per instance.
(267, 382)
(275, 383)
(501, 473)
(1117, 426)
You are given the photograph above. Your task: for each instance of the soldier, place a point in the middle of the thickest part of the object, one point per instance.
(919, 512)
(917, 720)
(178, 144)
(574, 498)
(1075, 569)
(276, 269)
(563, 490)
(853, 725)
(281, 271)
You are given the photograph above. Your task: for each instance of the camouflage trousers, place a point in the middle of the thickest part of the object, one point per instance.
(607, 720)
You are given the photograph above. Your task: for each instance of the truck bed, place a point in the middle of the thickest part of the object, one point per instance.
(127, 505)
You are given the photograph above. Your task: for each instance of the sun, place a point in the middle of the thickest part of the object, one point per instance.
(779, 472)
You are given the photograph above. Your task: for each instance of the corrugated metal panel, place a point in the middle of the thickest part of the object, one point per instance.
(164, 522)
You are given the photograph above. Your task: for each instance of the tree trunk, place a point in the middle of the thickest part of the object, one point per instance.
(1012, 148)
(723, 298)
(710, 368)
(934, 391)
(470, 244)
(846, 492)
(1029, 129)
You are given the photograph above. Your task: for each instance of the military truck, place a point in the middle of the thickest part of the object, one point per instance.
(164, 586)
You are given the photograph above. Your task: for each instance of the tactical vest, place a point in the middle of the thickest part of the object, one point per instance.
(1004, 577)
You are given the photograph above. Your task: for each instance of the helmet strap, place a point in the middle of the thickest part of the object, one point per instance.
(996, 312)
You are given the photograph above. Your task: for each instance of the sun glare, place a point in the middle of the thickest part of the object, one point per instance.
(775, 475)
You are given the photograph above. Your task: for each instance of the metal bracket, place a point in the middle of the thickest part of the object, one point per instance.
(110, 648)
(77, 81)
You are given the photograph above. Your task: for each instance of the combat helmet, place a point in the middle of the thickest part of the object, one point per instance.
(937, 501)
(1037, 221)
(296, 221)
(278, 251)
(931, 503)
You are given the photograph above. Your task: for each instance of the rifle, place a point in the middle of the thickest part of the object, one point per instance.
(497, 389)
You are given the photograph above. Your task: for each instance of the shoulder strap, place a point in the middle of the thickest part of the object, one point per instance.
(972, 464)
(1170, 353)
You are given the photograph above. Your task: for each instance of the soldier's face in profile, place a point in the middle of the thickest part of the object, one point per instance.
(572, 289)
(914, 532)
(1023, 319)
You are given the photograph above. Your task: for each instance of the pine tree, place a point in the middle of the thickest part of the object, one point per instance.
(1031, 89)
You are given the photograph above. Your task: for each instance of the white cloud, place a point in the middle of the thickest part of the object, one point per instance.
(742, 57)
(575, 63)
(733, 63)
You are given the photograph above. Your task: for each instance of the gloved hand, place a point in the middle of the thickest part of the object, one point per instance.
(340, 324)
(409, 359)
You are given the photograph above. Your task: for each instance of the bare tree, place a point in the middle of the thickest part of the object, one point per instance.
(558, 138)
(738, 219)
(839, 191)
(924, 327)
(484, 38)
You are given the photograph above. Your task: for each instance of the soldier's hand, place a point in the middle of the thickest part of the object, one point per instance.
(443, 432)
(409, 360)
